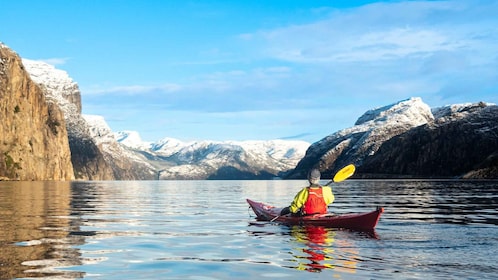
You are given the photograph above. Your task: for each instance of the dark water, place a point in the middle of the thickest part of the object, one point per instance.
(205, 230)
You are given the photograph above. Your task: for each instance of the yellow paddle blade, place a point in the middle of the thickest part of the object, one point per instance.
(344, 173)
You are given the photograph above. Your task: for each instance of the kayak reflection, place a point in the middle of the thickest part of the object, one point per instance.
(318, 249)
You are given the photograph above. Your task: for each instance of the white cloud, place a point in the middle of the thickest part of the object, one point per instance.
(132, 89)
(55, 61)
(381, 32)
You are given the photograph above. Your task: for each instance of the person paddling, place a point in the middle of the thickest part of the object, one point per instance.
(310, 200)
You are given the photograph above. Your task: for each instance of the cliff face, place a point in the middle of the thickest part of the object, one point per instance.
(87, 159)
(33, 130)
(95, 153)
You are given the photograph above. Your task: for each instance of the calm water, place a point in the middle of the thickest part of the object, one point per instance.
(205, 230)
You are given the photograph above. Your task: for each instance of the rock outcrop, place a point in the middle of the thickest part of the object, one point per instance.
(33, 130)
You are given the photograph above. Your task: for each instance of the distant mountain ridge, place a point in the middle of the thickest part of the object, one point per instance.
(217, 159)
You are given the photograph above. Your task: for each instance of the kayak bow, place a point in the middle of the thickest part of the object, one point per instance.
(359, 221)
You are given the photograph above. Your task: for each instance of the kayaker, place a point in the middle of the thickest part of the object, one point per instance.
(312, 199)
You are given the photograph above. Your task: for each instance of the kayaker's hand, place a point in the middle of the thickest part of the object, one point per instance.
(285, 211)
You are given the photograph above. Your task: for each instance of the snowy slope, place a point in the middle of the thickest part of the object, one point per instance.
(57, 84)
(457, 111)
(380, 124)
(371, 130)
(103, 136)
(131, 139)
(62, 90)
(119, 155)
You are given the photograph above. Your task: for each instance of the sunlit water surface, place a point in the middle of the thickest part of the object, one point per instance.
(205, 230)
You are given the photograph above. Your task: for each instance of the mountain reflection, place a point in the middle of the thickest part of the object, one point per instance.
(35, 230)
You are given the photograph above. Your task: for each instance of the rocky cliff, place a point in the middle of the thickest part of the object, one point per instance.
(94, 155)
(87, 159)
(409, 140)
(33, 130)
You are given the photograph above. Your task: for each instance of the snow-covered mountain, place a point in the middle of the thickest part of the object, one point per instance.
(59, 88)
(217, 160)
(352, 145)
(462, 142)
(415, 140)
(131, 139)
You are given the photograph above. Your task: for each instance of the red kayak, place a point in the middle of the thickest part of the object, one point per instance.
(359, 221)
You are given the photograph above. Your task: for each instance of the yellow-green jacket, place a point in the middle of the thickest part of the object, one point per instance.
(302, 196)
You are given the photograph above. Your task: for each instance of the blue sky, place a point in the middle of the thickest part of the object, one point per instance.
(258, 70)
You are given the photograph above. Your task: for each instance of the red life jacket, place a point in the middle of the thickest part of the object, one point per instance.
(315, 203)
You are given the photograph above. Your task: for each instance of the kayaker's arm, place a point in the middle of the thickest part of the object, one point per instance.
(296, 204)
(299, 201)
(328, 195)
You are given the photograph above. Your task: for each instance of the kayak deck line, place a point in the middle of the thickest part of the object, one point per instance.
(360, 221)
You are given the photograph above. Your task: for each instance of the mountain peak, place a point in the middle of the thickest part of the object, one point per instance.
(412, 109)
(131, 139)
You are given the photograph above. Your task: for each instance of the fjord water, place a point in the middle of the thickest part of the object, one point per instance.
(205, 230)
